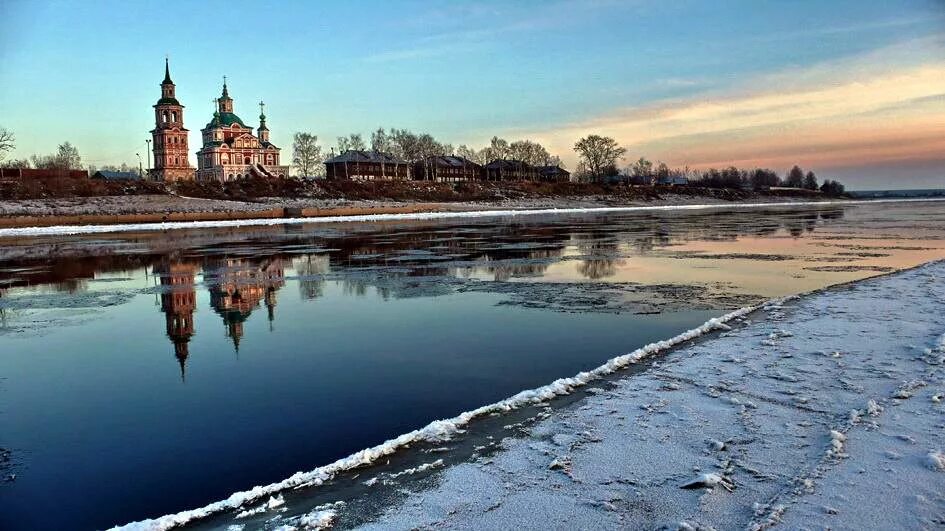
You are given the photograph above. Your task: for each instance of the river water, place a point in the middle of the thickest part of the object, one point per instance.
(148, 373)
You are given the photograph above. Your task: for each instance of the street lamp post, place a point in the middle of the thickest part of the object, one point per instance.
(148, 141)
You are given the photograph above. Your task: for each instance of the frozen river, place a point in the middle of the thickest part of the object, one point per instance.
(148, 373)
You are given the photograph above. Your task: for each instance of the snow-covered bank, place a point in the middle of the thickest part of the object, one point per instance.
(435, 431)
(98, 229)
(825, 412)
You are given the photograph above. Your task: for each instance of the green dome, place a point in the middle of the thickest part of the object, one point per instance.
(224, 119)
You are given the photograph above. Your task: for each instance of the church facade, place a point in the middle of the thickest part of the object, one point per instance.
(231, 150)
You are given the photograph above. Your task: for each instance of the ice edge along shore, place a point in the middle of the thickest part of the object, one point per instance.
(441, 430)
(66, 230)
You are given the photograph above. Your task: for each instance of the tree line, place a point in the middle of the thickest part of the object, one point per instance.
(308, 155)
(598, 160)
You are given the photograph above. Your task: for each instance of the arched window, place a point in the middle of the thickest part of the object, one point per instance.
(174, 116)
(165, 116)
(246, 160)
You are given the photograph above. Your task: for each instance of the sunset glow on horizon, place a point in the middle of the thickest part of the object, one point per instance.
(854, 90)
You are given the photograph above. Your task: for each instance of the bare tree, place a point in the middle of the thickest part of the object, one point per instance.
(599, 153)
(530, 153)
(7, 142)
(642, 171)
(68, 157)
(18, 163)
(381, 141)
(472, 154)
(352, 141)
(306, 154)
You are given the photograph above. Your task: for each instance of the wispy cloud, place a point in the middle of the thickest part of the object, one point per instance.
(465, 27)
(886, 105)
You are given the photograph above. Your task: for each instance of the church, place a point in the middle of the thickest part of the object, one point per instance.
(230, 149)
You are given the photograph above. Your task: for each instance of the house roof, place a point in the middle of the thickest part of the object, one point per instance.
(452, 161)
(552, 169)
(116, 175)
(353, 155)
(506, 163)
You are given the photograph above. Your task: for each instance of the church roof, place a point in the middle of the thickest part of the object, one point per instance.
(167, 73)
(168, 101)
(224, 119)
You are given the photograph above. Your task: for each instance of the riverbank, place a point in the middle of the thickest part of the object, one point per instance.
(816, 411)
(345, 199)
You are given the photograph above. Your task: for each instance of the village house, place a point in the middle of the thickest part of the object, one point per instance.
(362, 165)
(27, 174)
(510, 170)
(553, 174)
(105, 175)
(447, 168)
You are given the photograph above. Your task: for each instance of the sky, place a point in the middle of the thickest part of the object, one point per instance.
(854, 90)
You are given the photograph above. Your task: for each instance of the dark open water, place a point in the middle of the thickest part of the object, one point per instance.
(148, 373)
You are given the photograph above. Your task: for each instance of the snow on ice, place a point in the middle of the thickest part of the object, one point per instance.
(790, 437)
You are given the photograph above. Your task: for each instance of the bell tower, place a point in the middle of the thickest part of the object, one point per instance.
(170, 137)
(263, 130)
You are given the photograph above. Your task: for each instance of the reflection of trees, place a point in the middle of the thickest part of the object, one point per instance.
(312, 267)
(601, 254)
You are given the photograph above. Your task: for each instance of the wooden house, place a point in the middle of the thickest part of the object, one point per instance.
(510, 170)
(366, 166)
(449, 168)
(555, 174)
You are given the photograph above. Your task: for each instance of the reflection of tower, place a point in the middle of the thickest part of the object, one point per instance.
(178, 302)
(237, 289)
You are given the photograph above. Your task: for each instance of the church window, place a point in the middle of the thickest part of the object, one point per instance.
(165, 116)
(174, 116)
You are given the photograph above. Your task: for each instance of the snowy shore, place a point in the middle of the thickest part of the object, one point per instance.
(378, 215)
(826, 412)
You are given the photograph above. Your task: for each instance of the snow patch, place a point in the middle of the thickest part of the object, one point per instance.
(836, 444)
(318, 519)
(935, 460)
(422, 468)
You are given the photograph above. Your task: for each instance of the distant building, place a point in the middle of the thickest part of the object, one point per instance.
(104, 175)
(671, 180)
(510, 170)
(362, 165)
(447, 168)
(231, 150)
(170, 136)
(553, 174)
(25, 174)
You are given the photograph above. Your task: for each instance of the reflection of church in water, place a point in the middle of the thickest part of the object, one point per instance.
(236, 286)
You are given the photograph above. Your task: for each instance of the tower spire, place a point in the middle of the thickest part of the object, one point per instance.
(226, 93)
(167, 72)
